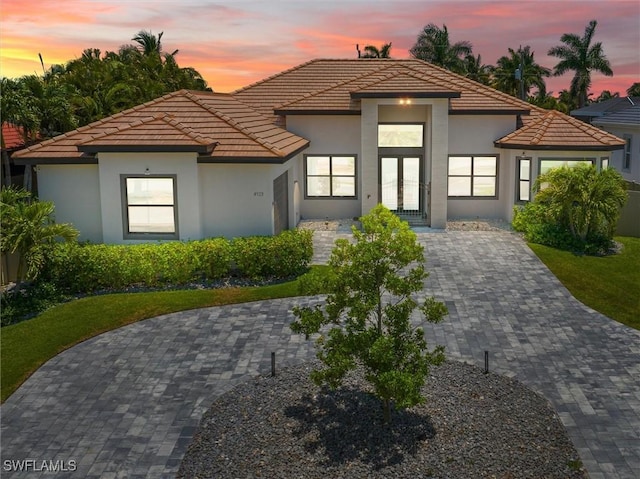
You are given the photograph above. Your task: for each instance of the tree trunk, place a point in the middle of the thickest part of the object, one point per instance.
(387, 411)
(6, 167)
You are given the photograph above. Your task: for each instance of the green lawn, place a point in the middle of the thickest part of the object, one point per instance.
(608, 284)
(27, 345)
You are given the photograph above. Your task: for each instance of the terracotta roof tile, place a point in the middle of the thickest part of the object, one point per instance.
(328, 85)
(555, 130)
(216, 125)
(12, 136)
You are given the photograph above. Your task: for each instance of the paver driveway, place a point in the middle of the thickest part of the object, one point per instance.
(126, 403)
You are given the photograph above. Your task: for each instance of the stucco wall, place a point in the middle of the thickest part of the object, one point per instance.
(474, 135)
(183, 165)
(75, 191)
(632, 174)
(328, 135)
(236, 200)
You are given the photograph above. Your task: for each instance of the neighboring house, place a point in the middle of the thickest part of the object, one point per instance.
(326, 139)
(625, 124)
(600, 109)
(13, 140)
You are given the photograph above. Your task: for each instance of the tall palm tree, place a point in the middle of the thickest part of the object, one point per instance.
(475, 70)
(433, 45)
(371, 51)
(531, 74)
(578, 55)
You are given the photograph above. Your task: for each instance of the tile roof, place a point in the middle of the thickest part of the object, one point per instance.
(607, 107)
(216, 125)
(553, 130)
(629, 116)
(331, 85)
(12, 136)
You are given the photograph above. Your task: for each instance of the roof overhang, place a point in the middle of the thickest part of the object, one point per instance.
(490, 112)
(285, 112)
(141, 148)
(232, 160)
(405, 94)
(43, 160)
(514, 146)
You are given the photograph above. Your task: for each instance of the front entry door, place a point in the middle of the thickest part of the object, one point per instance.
(401, 185)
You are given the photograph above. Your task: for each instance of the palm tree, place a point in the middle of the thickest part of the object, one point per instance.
(606, 95)
(476, 71)
(578, 55)
(372, 51)
(531, 74)
(27, 228)
(433, 45)
(634, 90)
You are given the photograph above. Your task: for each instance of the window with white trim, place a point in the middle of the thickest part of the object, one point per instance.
(524, 179)
(149, 207)
(330, 176)
(473, 176)
(400, 135)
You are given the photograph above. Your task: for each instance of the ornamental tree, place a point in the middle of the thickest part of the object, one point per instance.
(368, 312)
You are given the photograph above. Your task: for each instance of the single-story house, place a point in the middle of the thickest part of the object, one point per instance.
(625, 124)
(325, 139)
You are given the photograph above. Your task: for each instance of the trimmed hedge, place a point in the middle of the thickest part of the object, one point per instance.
(86, 268)
(282, 256)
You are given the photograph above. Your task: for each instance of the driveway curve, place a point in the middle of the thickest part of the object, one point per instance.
(127, 403)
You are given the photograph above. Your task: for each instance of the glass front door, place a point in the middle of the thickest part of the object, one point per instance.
(400, 184)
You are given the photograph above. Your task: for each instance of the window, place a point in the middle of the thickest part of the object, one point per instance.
(473, 176)
(626, 161)
(524, 179)
(331, 176)
(547, 163)
(397, 135)
(149, 207)
(604, 162)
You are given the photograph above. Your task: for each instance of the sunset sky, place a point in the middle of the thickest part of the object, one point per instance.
(235, 43)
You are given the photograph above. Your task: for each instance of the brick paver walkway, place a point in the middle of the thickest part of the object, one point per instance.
(126, 403)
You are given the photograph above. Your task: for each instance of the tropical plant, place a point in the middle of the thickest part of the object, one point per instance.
(634, 90)
(433, 46)
(606, 95)
(371, 51)
(548, 102)
(574, 208)
(475, 70)
(580, 56)
(530, 73)
(27, 228)
(369, 305)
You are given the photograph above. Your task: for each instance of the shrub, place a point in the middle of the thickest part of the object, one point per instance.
(80, 268)
(577, 209)
(282, 256)
(21, 303)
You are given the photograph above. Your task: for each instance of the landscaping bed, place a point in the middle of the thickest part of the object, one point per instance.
(472, 425)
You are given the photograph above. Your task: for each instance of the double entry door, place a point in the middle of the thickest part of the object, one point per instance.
(401, 184)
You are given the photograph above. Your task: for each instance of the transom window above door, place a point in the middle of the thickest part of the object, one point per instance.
(400, 135)
(330, 176)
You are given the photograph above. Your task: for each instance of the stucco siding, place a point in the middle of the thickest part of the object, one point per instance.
(617, 156)
(75, 192)
(236, 200)
(328, 135)
(182, 165)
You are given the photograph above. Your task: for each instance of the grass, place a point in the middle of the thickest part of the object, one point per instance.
(29, 344)
(608, 284)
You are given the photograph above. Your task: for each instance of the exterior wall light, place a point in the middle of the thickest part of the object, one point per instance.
(405, 101)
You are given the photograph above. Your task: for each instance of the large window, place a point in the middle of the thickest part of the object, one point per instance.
(330, 176)
(398, 135)
(149, 207)
(626, 161)
(473, 176)
(547, 163)
(524, 179)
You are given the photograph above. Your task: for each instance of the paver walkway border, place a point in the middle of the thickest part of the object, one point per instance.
(127, 403)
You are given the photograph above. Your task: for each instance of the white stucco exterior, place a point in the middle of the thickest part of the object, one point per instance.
(75, 192)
